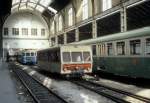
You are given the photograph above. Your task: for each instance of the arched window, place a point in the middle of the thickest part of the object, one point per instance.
(84, 9)
(52, 28)
(107, 4)
(70, 17)
(60, 23)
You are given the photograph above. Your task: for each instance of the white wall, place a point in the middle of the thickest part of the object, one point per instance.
(25, 20)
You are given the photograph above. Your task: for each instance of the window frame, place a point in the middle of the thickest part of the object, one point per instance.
(60, 23)
(25, 31)
(85, 11)
(147, 39)
(108, 49)
(6, 31)
(106, 4)
(134, 52)
(43, 32)
(70, 17)
(123, 48)
(15, 31)
(34, 31)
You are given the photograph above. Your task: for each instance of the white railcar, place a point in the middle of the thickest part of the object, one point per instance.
(66, 60)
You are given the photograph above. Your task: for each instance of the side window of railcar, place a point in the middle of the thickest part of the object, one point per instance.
(148, 46)
(102, 49)
(120, 48)
(86, 56)
(66, 57)
(76, 56)
(135, 47)
(110, 48)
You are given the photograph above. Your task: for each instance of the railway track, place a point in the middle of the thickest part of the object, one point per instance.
(39, 93)
(114, 94)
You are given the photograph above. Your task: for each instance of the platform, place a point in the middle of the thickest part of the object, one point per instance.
(8, 92)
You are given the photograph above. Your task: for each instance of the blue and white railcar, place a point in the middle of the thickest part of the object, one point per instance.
(27, 57)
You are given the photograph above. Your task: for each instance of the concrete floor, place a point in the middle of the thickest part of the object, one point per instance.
(8, 92)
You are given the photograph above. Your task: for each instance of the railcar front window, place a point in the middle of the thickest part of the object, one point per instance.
(66, 57)
(120, 48)
(148, 46)
(76, 56)
(23, 54)
(110, 49)
(135, 47)
(32, 54)
(86, 56)
(27, 54)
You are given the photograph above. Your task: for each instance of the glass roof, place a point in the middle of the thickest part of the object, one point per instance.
(39, 5)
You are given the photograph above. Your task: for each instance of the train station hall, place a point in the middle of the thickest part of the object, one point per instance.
(74, 51)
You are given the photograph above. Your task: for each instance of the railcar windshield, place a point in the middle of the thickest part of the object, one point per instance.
(66, 57)
(32, 53)
(23, 54)
(27, 54)
(76, 56)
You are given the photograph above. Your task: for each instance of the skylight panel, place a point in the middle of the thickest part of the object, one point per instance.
(15, 1)
(32, 5)
(45, 2)
(22, 4)
(23, 7)
(14, 7)
(30, 8)
(24, 0)
(34, 1)
(52, 10)
(40, 8)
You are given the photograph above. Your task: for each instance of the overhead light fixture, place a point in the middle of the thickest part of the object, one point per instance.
(52, 10)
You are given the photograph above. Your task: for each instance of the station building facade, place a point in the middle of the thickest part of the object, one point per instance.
(24, 30)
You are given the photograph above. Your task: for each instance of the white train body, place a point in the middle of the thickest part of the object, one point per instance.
(66, 59)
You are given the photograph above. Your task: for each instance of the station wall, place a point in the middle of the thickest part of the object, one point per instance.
(17, 40)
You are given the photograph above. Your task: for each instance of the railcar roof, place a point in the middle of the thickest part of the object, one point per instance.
(119, 36)
(60, 46)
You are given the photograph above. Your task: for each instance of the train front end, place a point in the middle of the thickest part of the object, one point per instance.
(76, 60)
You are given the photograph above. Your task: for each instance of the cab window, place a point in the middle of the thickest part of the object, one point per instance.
(86, 56)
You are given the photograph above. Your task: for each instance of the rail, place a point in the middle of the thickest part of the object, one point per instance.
(110, 92)
(39, 93)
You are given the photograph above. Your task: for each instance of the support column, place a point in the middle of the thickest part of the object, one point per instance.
(123, 19)
(65, 38)
(94, 29)
(50, 41)
(77, 34)
(56, 40)
(1, 38)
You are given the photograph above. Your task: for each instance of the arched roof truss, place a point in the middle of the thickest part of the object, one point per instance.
(39, 5)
